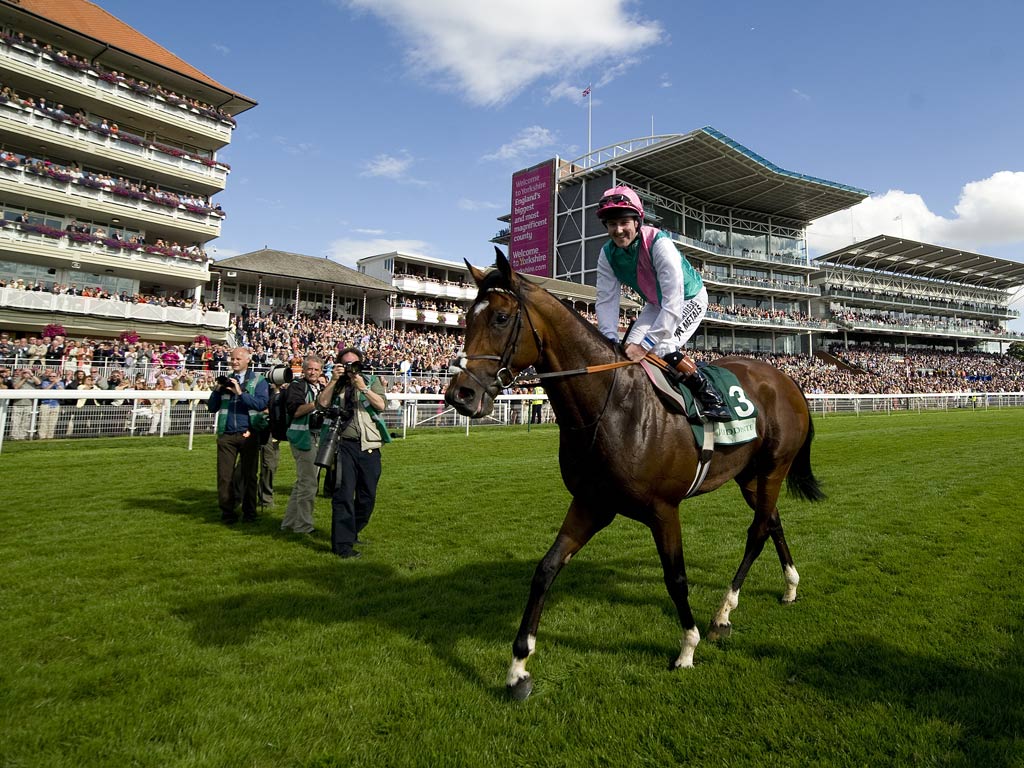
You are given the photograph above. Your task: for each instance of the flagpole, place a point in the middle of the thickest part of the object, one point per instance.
(590, 114)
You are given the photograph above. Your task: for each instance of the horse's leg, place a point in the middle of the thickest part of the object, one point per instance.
(761, 494)
(577, 529)
(669, 540)
(785, 559)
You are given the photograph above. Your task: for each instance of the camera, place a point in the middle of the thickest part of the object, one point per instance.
(224, 382)
(353, 368)
(339, 419)
(279, 374)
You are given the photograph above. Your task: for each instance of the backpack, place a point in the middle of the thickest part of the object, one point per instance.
(278, 415)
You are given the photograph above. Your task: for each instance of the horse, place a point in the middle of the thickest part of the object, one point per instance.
(621, 451)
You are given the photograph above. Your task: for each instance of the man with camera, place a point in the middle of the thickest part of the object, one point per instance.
(21, 409)
(236, 400)
(352, 441)
(303, 437)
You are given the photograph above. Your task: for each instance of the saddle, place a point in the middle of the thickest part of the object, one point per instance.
(741, 428)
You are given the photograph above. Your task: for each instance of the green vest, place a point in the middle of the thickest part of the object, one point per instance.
(634, 266)
(385, 435)
(222, 414)
(298, 431)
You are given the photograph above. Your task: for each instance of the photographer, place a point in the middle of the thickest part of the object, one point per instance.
(21, 409)
(355, 436)
(303, 437)
(236, 399)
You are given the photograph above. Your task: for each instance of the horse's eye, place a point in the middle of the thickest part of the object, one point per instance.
(501, 318)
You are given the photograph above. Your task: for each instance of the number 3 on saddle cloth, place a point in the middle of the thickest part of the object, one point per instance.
(741, 428)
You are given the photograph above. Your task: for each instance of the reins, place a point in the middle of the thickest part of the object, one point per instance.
(505, 378)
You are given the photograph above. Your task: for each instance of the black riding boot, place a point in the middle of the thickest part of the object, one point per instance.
(710, 402)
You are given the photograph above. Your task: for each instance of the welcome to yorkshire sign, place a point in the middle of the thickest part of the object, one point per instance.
(532, 227)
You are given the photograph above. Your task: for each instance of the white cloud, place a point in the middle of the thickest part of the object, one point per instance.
(568, 91)
(369, 231)
(528, 141)
(388, 166)
(297, 148)
(489, 52)
(393, 167)
(223, 50)
(989, 213)
(348, 251)
(477, 205)
(800, 94)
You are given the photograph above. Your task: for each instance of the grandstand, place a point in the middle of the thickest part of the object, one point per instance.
(900, 293)
(107, 176)
(742, 222)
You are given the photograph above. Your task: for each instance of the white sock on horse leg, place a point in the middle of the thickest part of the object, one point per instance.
(792, 579)
(729, 603)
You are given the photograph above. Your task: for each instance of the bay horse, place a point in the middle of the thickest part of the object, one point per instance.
(621, 452)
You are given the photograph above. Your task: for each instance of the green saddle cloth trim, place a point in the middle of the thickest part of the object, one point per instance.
(742, 428)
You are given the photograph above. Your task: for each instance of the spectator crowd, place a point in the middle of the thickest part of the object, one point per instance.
(283, 339)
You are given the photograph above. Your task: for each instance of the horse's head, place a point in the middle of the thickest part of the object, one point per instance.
(501, 340)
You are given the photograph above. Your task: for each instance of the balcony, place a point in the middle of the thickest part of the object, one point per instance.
(88, 83)
(703, 249)
(426, 316)
(50, 304)
(772, 287)
(17, 184)
(425, 286)
(162, 166)
(769, 323)
(63, 252)
(937, 329)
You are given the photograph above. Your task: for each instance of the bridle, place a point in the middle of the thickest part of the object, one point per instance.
(504, 376)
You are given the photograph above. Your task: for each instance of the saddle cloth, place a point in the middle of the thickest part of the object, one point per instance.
(742, 428)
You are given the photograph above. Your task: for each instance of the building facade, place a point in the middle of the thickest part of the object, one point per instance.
(742, 222)
(108, 172)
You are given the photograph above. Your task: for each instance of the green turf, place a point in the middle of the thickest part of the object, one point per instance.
(138, 631)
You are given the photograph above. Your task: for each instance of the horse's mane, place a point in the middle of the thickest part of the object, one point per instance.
(495, 280)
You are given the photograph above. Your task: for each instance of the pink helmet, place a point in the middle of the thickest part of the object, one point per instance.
(619, 202)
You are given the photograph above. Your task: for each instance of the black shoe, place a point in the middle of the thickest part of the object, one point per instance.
(361, 541)
(349, 554)
(710, 402)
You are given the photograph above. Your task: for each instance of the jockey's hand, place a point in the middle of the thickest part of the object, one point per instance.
(635, 352)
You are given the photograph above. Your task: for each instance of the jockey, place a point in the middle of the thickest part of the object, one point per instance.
(645, 259)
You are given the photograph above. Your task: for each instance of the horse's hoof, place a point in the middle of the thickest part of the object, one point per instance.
(522, 688)
(785, 601)
(719, 631)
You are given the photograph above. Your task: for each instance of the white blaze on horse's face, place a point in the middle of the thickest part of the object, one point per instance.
(478, 308)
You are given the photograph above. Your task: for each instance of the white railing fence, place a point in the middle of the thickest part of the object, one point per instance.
(30, 414)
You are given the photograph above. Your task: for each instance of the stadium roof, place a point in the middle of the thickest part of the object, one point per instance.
(88, 19)
(899, 255)
(295, 266)
(708, 165)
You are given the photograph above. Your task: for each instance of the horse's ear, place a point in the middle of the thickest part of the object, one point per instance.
(478, 274)
(503, 265)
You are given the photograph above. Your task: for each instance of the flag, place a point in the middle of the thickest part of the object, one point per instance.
(587, 92)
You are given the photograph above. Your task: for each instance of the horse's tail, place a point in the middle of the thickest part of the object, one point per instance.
(800, 481)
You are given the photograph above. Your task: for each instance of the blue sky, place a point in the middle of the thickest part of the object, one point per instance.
(396, 124)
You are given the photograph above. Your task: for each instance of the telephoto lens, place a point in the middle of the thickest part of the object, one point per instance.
(279, 374)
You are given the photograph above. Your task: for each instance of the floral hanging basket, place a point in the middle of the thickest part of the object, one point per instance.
(53, 329)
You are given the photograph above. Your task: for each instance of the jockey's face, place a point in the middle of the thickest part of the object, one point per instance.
(622, 231)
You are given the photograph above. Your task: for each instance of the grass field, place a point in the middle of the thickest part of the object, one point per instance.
(138, 631)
